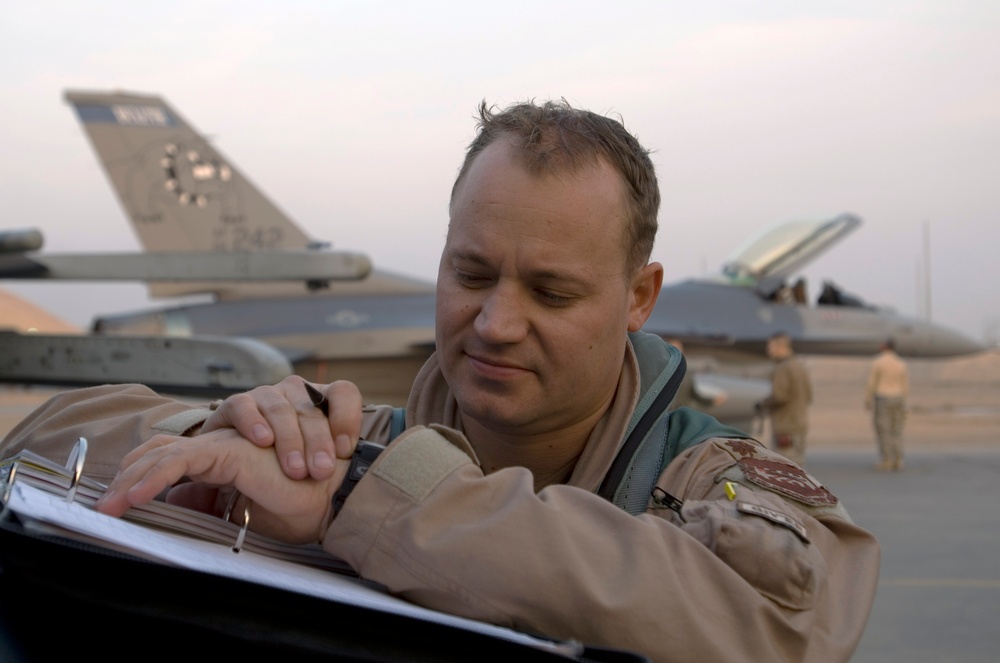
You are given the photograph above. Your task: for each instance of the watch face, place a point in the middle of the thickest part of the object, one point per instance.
(364, 455)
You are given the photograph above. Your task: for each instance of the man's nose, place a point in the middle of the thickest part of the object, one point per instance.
(502, 317)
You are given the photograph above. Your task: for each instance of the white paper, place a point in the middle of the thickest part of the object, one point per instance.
(221, 560)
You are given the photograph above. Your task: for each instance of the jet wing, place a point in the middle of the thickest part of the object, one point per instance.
(207, 365)
(316, 267)
(279, 265)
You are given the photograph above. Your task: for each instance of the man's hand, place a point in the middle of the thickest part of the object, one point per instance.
(306, 442)
(296, 511)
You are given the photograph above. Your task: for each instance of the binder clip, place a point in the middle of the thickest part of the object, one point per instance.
(238, 544)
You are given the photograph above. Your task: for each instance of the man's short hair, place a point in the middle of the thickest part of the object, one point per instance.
(554, 137)
(889, 344)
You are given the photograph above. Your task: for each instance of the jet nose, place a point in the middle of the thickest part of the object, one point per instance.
(942, 342)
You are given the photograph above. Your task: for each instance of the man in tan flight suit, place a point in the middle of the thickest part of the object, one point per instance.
(885, 394)
(788, 404)
(497, 503)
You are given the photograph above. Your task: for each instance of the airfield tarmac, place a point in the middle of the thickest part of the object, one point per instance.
(938, 520)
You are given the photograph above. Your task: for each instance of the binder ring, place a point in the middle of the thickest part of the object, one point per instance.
(8, 486)
(238, 544)
(75, 466)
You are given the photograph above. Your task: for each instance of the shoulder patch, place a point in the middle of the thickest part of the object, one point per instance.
(786, 479)
(742, 448)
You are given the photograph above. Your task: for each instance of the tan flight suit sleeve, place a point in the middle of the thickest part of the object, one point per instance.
(777, 583)
(115, 419)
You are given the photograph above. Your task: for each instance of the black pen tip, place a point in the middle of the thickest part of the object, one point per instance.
(315, 395)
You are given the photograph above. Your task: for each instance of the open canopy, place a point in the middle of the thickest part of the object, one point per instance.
(770, 257)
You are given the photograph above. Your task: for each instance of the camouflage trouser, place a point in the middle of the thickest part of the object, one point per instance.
(889, 415)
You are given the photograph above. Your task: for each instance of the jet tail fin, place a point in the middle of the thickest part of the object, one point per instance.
(178, 191)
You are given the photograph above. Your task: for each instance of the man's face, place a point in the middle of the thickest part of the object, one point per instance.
(533, 303)
(777, 348)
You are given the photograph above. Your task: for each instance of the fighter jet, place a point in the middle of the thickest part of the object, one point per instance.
(182, 195)
(732, 314)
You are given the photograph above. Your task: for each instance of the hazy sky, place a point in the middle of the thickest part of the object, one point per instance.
(353, 118)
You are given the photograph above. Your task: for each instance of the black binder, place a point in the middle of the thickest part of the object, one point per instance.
(61, 595)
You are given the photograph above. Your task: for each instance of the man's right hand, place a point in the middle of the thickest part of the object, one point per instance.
(306, 442)
(282, 508)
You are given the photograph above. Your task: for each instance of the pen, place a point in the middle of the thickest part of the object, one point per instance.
(317, 398)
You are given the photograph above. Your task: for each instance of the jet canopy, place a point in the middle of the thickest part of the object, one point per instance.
(767, 259)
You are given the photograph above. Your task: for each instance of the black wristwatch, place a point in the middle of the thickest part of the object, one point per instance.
(364, 455)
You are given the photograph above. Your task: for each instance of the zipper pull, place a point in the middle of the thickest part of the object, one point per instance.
(664, 500)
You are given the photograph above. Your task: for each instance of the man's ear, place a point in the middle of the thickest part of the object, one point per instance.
(643, 291)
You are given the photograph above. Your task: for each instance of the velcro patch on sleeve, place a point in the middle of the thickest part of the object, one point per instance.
(182, 422)
(419, 461)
